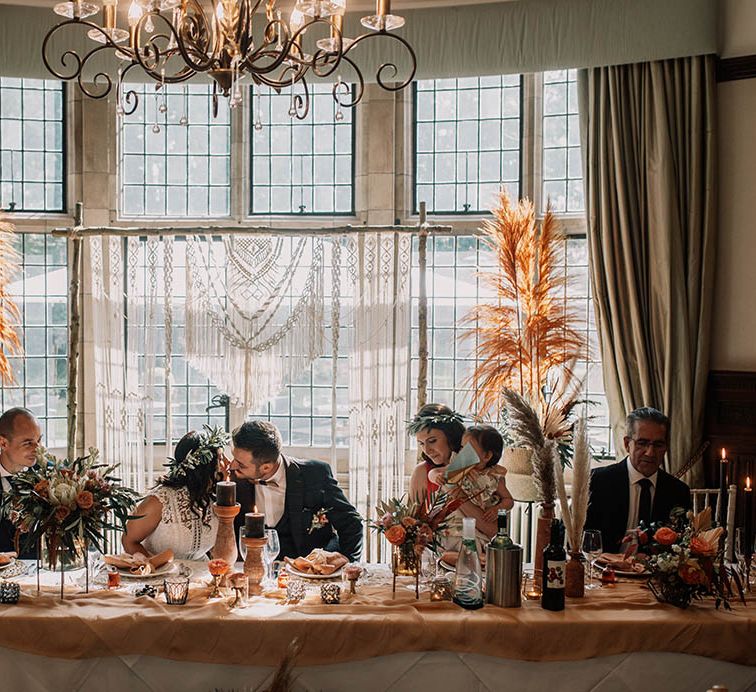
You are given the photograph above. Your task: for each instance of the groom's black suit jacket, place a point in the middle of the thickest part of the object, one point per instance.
(310, 486)
(7, 535)
(609, 501)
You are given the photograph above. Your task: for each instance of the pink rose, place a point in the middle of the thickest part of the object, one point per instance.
(387, 520)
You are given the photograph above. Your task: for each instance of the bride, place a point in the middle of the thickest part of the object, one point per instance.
(176, 515)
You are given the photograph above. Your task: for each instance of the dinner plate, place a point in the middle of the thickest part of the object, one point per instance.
(12, 561)
(306, 575)
(622, 572)
(164, 571)
(446, 566)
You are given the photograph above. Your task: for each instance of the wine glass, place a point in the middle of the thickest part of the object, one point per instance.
(270, 552)
(242, 546)
(591, 548)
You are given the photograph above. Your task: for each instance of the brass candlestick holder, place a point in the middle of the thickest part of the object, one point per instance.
(253, 563)
(225, 539)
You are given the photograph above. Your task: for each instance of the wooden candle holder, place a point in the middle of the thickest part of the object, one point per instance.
(225, 539)
(253, 564)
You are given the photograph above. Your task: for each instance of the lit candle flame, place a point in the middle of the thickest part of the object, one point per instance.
(724, 454)
(135, 13)
(219, 13)
(748, 484)
(254, 509)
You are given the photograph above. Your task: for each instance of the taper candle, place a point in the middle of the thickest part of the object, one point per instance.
(225, 493)
(748, 518)
(722, 504)
(254, 524)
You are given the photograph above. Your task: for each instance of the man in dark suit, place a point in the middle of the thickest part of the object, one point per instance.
(300, 499)
(635, 489)
(20, 436)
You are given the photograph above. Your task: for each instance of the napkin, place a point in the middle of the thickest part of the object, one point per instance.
(461, 464)
(7, 558)
(138, 563)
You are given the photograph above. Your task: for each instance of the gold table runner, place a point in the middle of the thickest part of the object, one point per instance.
(609, 621)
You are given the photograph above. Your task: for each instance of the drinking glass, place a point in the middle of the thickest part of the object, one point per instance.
(740, 554)
(591, 548)
(242, 546)
(270, 552)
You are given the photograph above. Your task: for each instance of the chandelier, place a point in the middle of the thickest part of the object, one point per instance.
(174, 40)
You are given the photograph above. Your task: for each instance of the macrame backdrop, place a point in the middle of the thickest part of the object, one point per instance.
(119, 401)
(378, 366)
(254, 311)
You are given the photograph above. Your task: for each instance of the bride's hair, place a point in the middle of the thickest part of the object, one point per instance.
(198, 478)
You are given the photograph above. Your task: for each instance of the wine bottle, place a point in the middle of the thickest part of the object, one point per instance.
(501, 540)
(554, 562)
(468, 584)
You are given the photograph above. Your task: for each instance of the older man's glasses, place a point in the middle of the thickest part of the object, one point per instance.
(656, 445)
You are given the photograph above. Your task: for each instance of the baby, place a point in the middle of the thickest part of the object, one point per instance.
(484, 484)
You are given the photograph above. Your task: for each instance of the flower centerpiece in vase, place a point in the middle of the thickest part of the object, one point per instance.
(413, 527)
(67, 505)
(528, 342)
(685, 558)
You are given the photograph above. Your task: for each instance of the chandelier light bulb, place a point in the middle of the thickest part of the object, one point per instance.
(135, 12)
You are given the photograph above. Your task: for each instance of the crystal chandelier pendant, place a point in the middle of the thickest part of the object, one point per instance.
(382, 22)
(115, 35)
(161, 5)
(321, 8)
(80, 10)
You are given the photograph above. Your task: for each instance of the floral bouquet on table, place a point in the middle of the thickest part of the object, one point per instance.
(68, 503)
(411, 527)
(685, 559)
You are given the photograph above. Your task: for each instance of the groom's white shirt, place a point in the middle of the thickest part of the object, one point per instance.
(270, 499)
(4, 475)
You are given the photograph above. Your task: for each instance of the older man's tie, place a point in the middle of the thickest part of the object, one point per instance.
(644, 505)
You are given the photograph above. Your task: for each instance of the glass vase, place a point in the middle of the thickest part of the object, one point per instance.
(56, 557)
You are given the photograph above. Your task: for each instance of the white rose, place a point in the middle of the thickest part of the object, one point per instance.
(63, 493)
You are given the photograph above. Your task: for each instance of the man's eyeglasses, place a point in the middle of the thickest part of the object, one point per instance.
(657, 445)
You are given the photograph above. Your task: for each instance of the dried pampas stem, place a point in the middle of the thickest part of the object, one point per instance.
(526, 429)
(283, 680)
(574, 516)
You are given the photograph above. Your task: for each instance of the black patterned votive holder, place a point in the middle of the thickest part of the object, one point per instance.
(10, 592)
(330, 593)
(176, 590)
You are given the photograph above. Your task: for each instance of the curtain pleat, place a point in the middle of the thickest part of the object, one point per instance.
(648, 135)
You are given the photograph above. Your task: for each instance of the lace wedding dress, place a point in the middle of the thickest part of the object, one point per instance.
(180, 529)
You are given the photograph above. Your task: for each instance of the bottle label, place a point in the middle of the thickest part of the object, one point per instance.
(555, 574)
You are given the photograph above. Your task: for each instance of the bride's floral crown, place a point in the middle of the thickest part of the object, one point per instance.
(211, 440)
(434, 420)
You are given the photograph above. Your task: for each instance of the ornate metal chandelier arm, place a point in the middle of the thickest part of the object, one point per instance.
(152, 58)
(193, 37)
(128, 99)
(359, 91)
(379, 74)
(79, 63)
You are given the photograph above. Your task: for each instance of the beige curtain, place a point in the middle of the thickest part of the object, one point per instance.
(648, 135)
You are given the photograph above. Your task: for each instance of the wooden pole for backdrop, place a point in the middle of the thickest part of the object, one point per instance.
(74, 330)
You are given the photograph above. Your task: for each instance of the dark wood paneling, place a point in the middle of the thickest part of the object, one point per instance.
(742, 67)
(731, 423)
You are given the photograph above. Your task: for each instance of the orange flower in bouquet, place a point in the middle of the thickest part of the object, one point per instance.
(218, 567)
(85, 499)
(685, 560)
(396, 535)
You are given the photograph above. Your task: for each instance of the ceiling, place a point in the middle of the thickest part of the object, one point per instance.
(351, 4)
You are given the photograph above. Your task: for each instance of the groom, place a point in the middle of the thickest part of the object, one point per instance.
(20, 435)
(300, 499)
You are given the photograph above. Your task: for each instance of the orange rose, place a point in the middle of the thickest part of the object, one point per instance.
(665, 536)
(396, 534)
(408, 522)
(41, 488)
(691, 573)
(61, 513)
(218, 567)
(85, 499)
(700, 547)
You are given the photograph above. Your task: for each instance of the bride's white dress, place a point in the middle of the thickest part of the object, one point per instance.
(180, 529)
